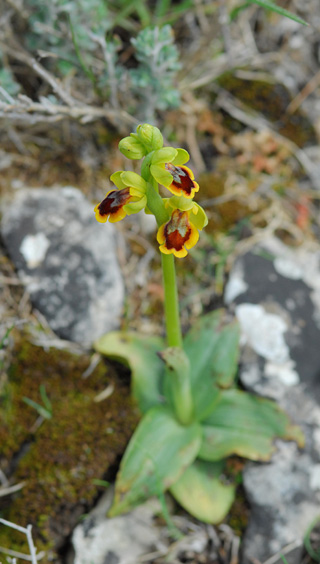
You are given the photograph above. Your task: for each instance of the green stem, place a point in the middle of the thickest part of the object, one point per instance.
(178, 373)
(171, 302)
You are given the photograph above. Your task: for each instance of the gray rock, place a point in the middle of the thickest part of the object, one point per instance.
(121, 540)
(274, 291)
(66, 260)
(129, 538)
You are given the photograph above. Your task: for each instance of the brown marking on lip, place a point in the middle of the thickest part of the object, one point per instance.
(114, 201)
(177, 231)
(181, 178)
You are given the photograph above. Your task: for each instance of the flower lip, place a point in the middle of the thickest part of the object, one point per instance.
(112, 207)
(182, 181)
(177, 235)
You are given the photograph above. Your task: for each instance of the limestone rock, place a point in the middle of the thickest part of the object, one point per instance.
(67, 261)
(274, 291)
(129, 538)
(121, 540)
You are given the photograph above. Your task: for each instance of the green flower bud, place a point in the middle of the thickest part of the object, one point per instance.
(132, 148)
(150, 136)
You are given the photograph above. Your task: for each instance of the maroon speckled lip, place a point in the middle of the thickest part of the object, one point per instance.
(114, 202)
(181, 178)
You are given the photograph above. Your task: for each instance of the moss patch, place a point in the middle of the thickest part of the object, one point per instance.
(58, 462)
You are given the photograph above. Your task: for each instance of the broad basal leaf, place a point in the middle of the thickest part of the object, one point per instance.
(139, 352)
(246, 425)
(159, 452)
(200, 491)
(213, 350)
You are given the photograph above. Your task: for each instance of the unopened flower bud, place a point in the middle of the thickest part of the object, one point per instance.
(132, 148)
(150, 136)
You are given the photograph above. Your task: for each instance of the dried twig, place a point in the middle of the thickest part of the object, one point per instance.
(3, 479)
(27, 531)
(11, 489)
(26, 111)
(304, 93)
(106, 393)
(14, 50)
(10, 281)
(95, 359)
(290, 547)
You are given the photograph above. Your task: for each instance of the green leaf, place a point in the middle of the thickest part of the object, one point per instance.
(244, 424)
(274, 8)
(98, 482)
(200, 491)
(39, 408)
(314, 554)
(159, 452)
(162, 8)
(236, 11)
(139, 352)
(213, 350)
(45, 399)
(226, 356)
(86, 69)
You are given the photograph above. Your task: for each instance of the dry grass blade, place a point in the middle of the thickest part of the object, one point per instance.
(11, 489)
(286, 550)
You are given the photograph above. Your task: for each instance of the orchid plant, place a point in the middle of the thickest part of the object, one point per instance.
(193, 416)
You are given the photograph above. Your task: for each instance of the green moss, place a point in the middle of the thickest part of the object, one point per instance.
(81, 441)
(271, 100)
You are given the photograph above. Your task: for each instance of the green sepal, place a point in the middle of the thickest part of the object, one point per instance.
(198, 217)
(135, 207)
(140, 353)
(164, 155)
(133, 179)
(179, 203)
(161, 175)
(117, 180)
(150, 136)
(197, 214)
(213, 350)
(200, 491)
(246, 425)
(157, 455)
(177, 389)
(132, 148)
(181, 158)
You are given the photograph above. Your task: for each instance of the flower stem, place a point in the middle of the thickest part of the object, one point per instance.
(171, 303)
